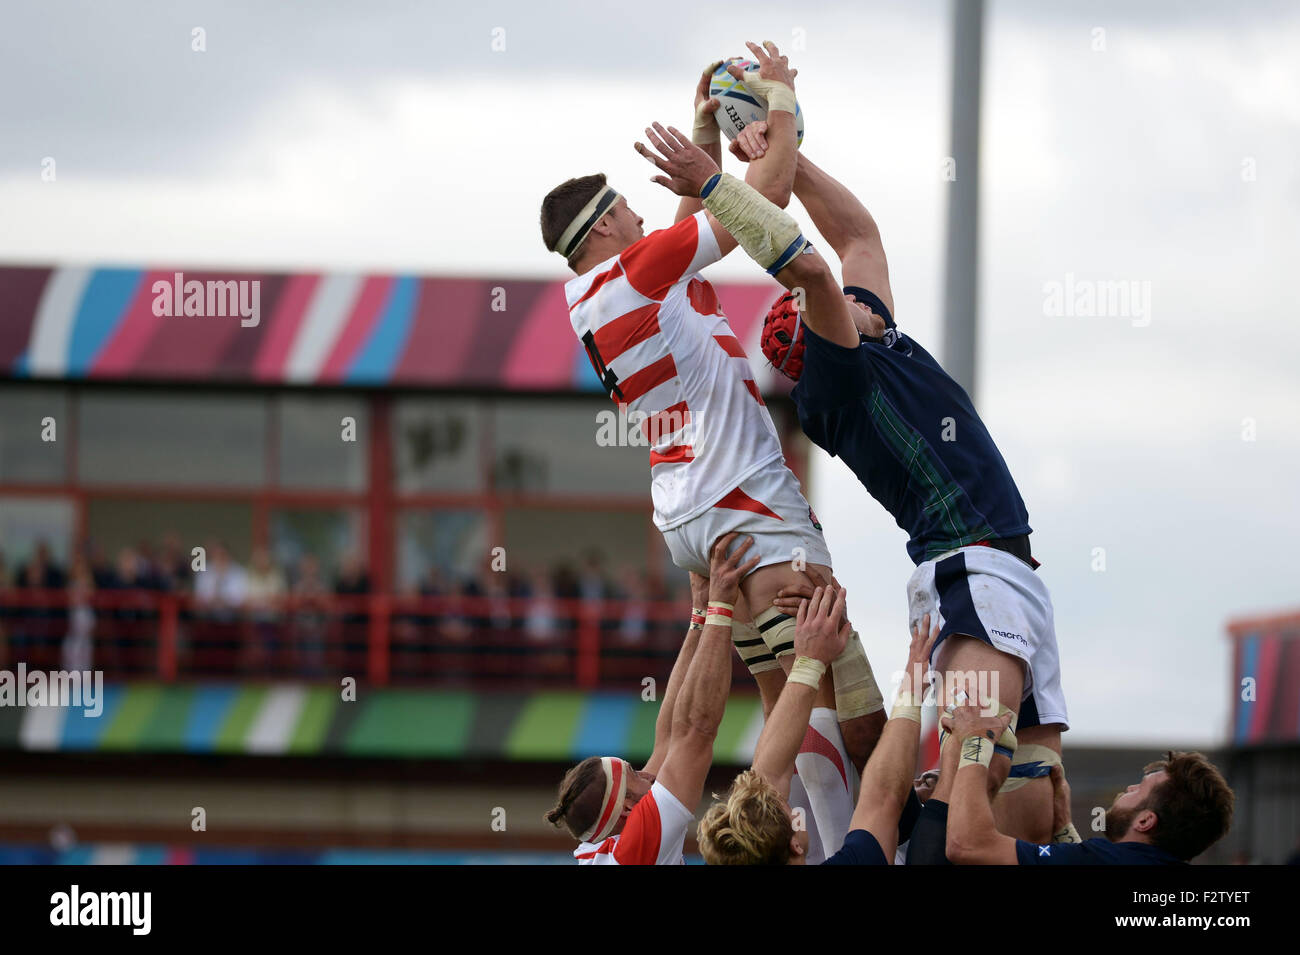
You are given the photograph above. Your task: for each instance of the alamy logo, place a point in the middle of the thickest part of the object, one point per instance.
(1088, 298)
(83, 689)
(75, 907)
(211, 299)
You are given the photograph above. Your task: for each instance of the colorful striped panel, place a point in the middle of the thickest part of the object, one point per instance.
(311, 329)
(296, 719)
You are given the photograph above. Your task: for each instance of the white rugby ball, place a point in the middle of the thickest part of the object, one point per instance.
(737, 106)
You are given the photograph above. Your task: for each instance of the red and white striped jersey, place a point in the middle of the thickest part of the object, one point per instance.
(654, 834)
(656, 335)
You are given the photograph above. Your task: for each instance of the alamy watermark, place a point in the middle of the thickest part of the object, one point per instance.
(83, 689)
(1088, 298)
(641, 429)
(211, 299)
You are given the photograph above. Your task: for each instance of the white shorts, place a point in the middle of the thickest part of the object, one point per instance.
(768, 506)
(996, 597)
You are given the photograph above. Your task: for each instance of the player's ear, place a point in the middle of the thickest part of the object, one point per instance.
(795, 848)
(1146, 821)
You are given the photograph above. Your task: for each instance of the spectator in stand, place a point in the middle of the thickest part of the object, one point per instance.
(592, 585)
(595, 589)
(221, 590)
(100, 566)
(634, 627)
(78, 643)
(6, 608)
(39, 625)
(540, 623)
(496, 592)
(132, 613)
(310, 616)
(353, 584)
(174, 564)
(266, 593)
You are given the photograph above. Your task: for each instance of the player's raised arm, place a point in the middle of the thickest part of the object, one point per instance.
(768, 234)
(888, 776)
(698, 710)
(973, 837)
(847, 226)
(774, 174)
(664, 721)
(821, 629)
(705, 134)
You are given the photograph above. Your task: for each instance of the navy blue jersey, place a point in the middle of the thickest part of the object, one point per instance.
(913, 438)
(1093, 852)
(860, 848)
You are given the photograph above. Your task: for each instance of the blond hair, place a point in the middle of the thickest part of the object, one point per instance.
(751, 826)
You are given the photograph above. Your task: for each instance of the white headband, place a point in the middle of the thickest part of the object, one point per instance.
(591, 213)
(611, 803)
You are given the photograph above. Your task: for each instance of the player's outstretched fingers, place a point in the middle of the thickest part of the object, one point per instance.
(653, 134)
(663, 141)
(649, 156)
(682, 139)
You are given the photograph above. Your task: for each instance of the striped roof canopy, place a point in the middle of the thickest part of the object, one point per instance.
(311, 328)
(1266, 679)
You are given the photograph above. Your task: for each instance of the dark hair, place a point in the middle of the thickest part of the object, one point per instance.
(579, 800)
(1193, 804)
(563, 203)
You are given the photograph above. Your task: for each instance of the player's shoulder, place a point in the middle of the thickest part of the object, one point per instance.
(1097, 851)
(578, 286)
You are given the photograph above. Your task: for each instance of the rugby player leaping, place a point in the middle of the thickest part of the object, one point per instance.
(909, 432)
(662, 348)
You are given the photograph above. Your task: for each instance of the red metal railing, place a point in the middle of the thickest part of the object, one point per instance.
(380, 638)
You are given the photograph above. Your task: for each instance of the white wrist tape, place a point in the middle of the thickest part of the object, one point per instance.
(807, 671)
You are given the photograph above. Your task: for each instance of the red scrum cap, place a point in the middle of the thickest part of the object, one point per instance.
(782, 339)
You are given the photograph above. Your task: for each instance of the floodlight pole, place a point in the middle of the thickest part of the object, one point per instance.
(961, 260)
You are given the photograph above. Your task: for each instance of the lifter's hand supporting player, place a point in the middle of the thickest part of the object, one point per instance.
(821, 627)
(726, 571)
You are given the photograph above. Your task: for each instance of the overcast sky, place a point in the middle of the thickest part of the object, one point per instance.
(1161, 151)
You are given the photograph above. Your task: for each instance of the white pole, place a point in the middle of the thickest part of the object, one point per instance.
(961, 261)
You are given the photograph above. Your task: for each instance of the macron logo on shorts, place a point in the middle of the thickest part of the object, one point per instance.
(1006, 635)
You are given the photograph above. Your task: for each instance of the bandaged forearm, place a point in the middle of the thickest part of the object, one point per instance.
(753, 648)
(767, 233)
(807, 671)
(856, 692)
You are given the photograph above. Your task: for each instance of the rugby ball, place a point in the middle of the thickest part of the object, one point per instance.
(737, 106)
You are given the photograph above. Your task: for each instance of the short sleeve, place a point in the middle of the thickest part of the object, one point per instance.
(832, 374)
(1055, 853)
(860, 848)
(656, 263)
(655, 832)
